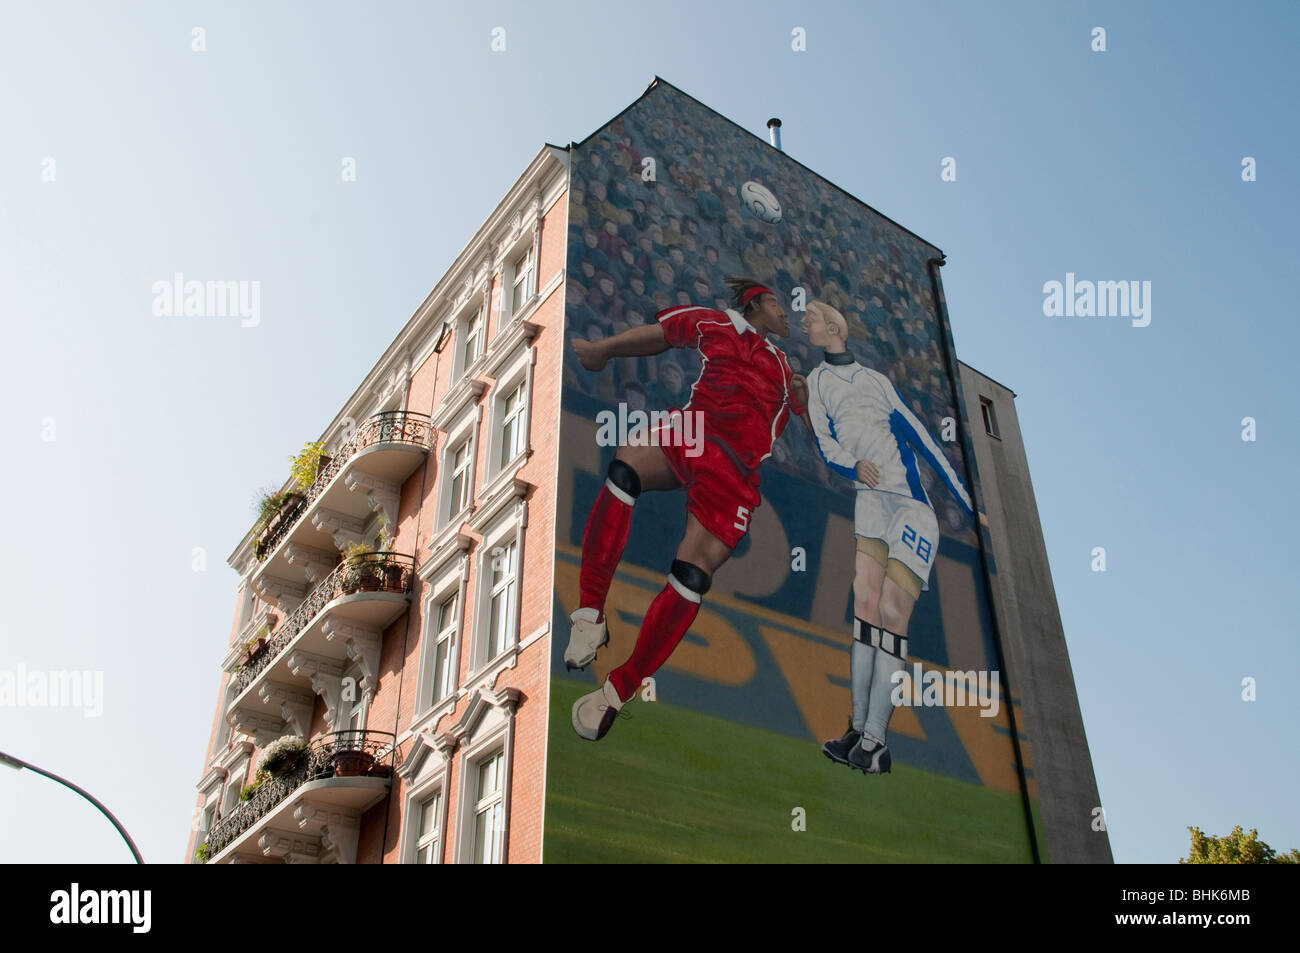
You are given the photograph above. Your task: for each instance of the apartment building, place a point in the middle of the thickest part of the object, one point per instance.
(416, 667)
(394, 688)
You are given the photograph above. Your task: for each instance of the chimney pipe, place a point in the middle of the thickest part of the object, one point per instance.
(774, 132)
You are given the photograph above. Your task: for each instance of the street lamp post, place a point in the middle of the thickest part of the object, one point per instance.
(17, 763)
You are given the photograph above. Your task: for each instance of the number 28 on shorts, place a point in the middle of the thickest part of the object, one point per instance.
(916, 542)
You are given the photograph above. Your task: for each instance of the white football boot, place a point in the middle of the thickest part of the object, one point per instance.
(588, 634)
(594, 712)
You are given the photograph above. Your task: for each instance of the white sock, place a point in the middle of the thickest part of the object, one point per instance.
(881, 704)
(861, 659)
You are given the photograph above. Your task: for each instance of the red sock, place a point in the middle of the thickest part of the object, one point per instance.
(602, 548)
(666, 621)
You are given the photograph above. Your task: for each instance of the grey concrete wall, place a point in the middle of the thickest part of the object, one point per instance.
(1033, 639)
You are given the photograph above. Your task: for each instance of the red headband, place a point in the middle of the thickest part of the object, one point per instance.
(749, 294)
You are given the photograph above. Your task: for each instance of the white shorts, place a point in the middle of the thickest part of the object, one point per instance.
(907, 526)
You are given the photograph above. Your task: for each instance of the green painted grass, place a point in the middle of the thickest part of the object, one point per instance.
(669, 785)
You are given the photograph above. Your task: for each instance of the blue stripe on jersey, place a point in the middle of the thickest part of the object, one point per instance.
(940, 466)
(842, 470)
(903, 435)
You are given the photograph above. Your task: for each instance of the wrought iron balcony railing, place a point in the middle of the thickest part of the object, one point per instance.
(370, 572)
(391, 426)
(337, 755)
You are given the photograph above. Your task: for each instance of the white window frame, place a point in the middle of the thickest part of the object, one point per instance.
(465, 428)
(514, 422)
(431, 780)
(492, 805)
(213, 805)
(359, 713)
(230, 799)
(519, 303)
(506, 551)
(494, 733)
(510, 373)
(442, 686)
(436, 839)
(247, 609)
(504, 530)
(447, 581)
(210, 812)
(460, 463)
(475, 309)
(224, 730)
(990, 417)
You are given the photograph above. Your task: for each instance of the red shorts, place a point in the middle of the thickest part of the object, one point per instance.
(721, 492)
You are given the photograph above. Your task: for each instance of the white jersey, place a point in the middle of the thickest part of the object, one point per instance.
(858, 414)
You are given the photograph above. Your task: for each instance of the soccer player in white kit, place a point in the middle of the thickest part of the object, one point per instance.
(866, 433)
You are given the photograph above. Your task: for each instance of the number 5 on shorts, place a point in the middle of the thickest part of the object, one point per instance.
(742, 519)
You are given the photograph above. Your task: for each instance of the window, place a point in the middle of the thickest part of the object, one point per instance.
(444, 653)
(231, 800)
(523, 285)
(514, 437)
(426, 845)
(461, 477)
(445, 584)
(472, 340)
(511, 367)
(501, 608)
(224, 729)
(990, 419)
(354, 730)
(207, 818)
(248, 608)
(483, 797)
(489, 810)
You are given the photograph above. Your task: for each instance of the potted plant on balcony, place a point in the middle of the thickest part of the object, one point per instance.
(289, 503)
(370, 569)
(354, 555)
(307, 463)
(392, 570)
(282, 755)
(351, 759)
(273, 508)
(393, 576)
(258, 642)
(202, 853)
(267, 506)
(361, 568)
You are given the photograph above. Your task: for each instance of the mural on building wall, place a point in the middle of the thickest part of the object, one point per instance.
(771, 632)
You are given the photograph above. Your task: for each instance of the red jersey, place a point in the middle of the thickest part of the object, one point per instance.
(743, 388)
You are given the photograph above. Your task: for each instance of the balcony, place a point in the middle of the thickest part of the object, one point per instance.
(339, 622)
(311, 813)
(363, 477)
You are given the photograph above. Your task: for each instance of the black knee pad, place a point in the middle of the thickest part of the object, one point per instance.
(691, 576)
(624, 477)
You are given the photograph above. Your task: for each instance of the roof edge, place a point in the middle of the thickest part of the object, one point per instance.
(659, 79)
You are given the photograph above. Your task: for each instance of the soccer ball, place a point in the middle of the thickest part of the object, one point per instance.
(761, 202)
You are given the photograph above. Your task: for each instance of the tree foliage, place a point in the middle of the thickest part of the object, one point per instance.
(1236, 848)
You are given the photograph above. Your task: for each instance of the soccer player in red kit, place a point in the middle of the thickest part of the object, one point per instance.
(745, 395)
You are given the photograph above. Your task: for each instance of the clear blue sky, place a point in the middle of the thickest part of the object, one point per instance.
(225, 164)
